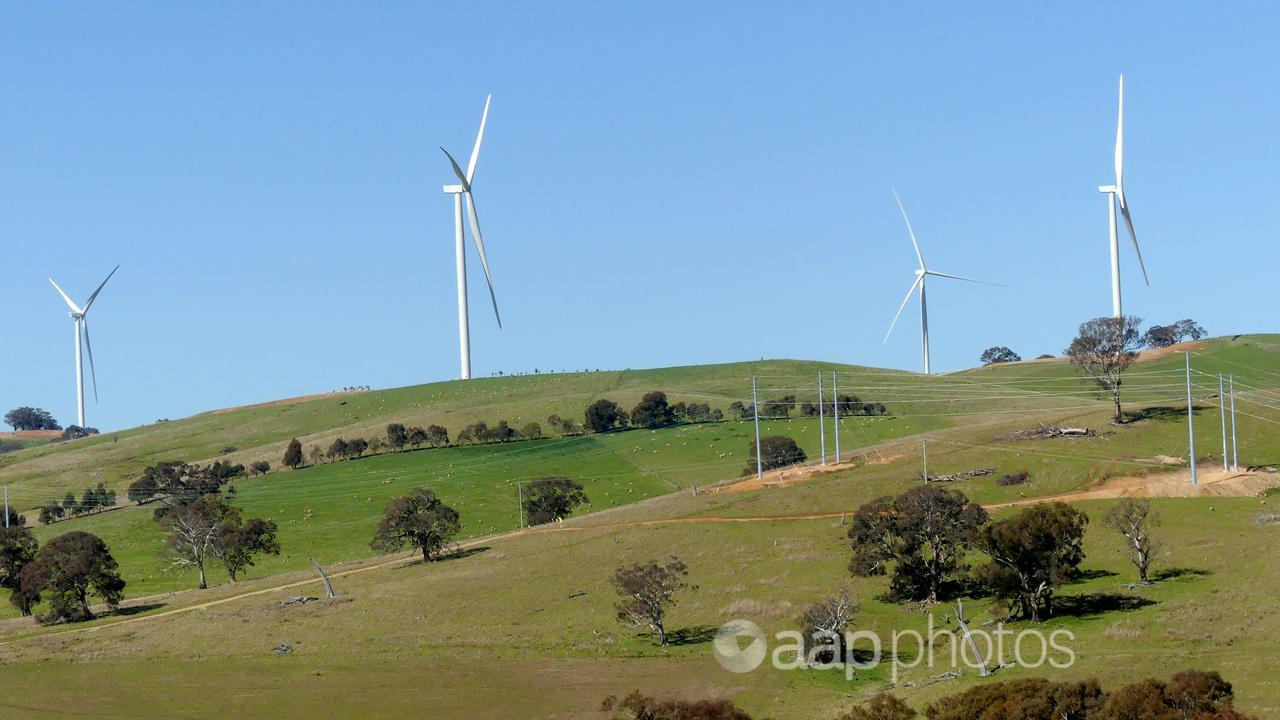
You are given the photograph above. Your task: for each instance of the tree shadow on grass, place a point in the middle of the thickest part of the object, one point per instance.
(695, 635)
(446, 557)
(1178, 572)
(1093, 574)
(1094, 604)
(1160, 412)
(136, 609)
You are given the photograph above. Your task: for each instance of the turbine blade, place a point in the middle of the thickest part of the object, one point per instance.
(914, 285)
(1120, 139)
(457, 170)
(84, 320)
(958, 277)
(475, 151)
(94, 296)
(1128, 223)
(474, 221)
(74, 307)
(910, 232)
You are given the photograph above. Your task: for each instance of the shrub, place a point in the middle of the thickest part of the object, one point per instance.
(642, 707)
(550, 498)
(1018, 478)
(776, 451)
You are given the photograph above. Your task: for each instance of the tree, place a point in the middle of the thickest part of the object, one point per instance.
(1103, 349)
(66, 570)
(824, 624)
(1032, 554)
(738, 410)
(29, 418)
(1160, 336)
(417, 437)
(338, 449)
(550, 498)
(779, 408)
(999, 354)
(15, 518)
(647, 591)
(923, 533)
(50, 513)
(293, 454)
(882, 706)
(315, 454)
(1189, 329)
(75, 432)
(191, 531)
(237, 541)
(436, 436)
(775, 451)
(397, 436)
(603, 416)
(1134, 519)
(652, 411)
(262, 467)
(176, 483)
(420, 519)
(17, 549)
(531, 430)
(357, 447)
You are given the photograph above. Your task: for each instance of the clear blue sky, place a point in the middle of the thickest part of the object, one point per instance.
(662, 183)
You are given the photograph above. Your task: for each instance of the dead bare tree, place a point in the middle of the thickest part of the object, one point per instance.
(1103, 350)
(824, 624)
(192, 530)
(1134, 519)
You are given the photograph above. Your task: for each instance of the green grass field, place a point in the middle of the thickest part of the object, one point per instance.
(527, 619)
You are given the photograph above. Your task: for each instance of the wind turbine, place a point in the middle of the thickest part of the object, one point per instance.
(79, 315)
(463, 188)
(921, 273)
(1116, 196)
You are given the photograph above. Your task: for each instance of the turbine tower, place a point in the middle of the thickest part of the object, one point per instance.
(1115, 196)
(463, 188)
(80, 317)
(921, 273)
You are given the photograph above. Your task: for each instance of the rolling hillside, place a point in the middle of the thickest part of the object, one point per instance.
(538, 599)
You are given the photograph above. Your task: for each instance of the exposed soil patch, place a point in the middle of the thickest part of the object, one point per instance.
(31, 435)
(1211, 483)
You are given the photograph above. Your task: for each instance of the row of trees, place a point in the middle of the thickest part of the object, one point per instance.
(93, 498)
(781, 408)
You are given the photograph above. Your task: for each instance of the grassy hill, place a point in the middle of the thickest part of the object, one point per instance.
(528, 617)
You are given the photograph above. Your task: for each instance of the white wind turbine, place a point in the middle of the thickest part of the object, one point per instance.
(921, 273)
(1116, 196)
(458, 191)
(79, 315)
